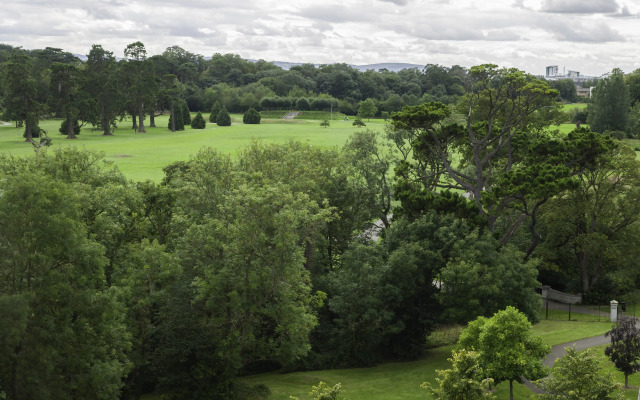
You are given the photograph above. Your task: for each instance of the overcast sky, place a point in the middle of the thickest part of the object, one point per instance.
(590, 36)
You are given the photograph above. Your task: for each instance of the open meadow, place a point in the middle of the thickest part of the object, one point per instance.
(141, 156)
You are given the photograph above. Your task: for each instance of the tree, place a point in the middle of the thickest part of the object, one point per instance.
(624, 350)
(64, 88)
(507, 349)
(610, 103)
(251, 117)
(358, 122)
(198, 122)
(141, 77)
(503, 104)
(223, 118)
(67, 338)
(176, 123)
(325, 123)
(215, 110)
(186, 114)
(367, 109)
(578, 376)
(101, 84)
(20, 97)
(481, 278)
(464, 381)
(64, 127)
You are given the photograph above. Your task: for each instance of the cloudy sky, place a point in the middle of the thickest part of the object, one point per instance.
(590, 36)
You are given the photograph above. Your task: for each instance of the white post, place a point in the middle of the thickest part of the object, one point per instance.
(614, 311)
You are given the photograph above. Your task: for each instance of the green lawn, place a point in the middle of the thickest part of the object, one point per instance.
(142, 156)
(573, 106)
(402, 380)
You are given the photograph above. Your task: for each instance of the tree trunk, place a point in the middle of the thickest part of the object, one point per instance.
(626, 381)
(141, 118)
(70, 132)
(106, 126)
(134, 117)
(173, 119)
(510, 390)
(584, 269)
(28, 135)
(152, 120)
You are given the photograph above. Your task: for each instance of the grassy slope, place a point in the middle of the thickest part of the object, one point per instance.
(402, 380)
(142, 156)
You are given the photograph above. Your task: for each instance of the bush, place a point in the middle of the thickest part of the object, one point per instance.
(325, 123)
(251, 117)
(63, 127)
(302, 104)
(358, 122)
(223, 118)
(215, 110)
(198, 122)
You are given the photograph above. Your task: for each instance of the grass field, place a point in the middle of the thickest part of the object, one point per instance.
(402, 380)
(573, 106)
(142, 156)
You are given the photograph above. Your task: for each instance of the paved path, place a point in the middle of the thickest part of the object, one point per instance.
(5, 123)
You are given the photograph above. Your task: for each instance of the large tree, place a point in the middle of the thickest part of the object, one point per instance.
(101, 84)
(140, 76)
(502, 104)
(20, 94)
(610, 103)
(65, 82)
(66, 337)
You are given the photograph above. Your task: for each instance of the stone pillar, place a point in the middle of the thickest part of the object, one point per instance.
(614, 311)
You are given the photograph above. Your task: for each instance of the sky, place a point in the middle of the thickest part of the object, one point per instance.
(589, 36)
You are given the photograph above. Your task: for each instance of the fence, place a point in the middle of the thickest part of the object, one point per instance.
(555, 310)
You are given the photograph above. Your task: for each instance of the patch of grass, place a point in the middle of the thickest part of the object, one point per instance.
(558, 332)
(142, 156)
(574, 106)
(634, 379)
(320, 115)
(444, 335)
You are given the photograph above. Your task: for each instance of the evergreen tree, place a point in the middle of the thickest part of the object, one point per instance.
(251, 117)
(186, 114)
(223, 118)
(215, 110)
(179, 124)
(198, 122)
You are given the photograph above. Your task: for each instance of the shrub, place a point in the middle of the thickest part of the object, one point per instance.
(325, 123)
(198, 122)
(223, 118)
(302, 104)
(63, 127)
(358, 122)
(251, 117)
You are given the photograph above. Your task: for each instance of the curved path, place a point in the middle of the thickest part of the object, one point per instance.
(558, 351)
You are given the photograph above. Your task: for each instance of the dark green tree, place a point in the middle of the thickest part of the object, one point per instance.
(186, 114)
(223, 118)
(251, 117)
(367, 109)
(609, 104)
(20, 94)
(215, 110)
(67, 338)
(198, 122)
(624, 350)
(101, 84)
(64, 127)
(65, 83)
(142, 85)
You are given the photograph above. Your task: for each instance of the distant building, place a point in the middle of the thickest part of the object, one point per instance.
(553, 73)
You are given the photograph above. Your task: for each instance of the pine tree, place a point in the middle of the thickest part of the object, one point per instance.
(215, 110)
(251, 117)
(198, 122)
(223, 118)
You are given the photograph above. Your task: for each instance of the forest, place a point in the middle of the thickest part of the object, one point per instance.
(267, 260)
